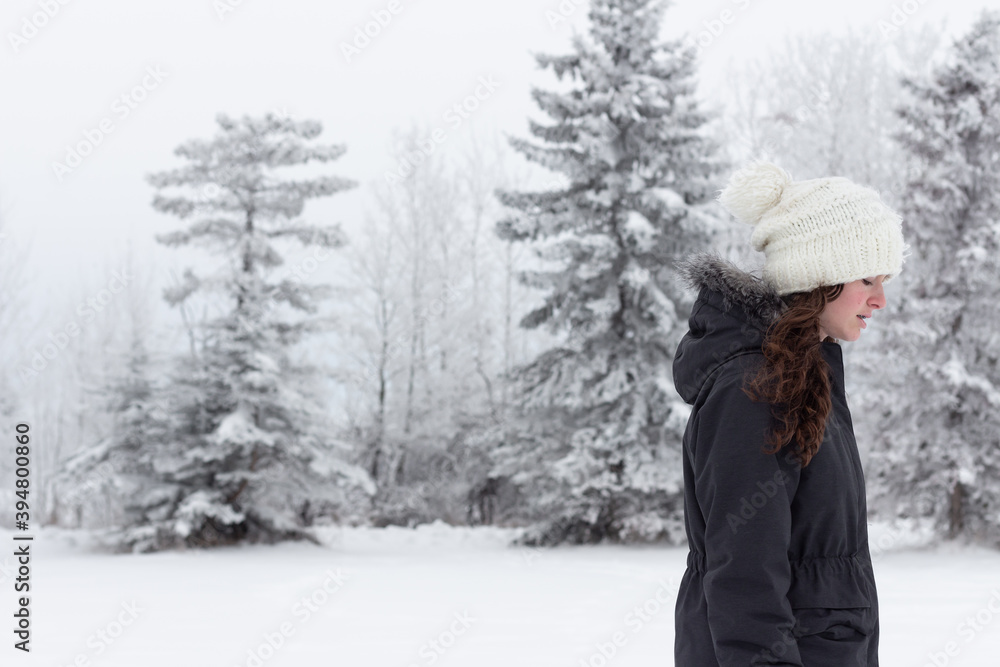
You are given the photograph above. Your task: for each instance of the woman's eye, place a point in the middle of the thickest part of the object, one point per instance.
(866, 282)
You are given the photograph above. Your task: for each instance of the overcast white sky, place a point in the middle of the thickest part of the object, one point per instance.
(65, 77)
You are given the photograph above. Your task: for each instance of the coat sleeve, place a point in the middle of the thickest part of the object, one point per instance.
(745, 499)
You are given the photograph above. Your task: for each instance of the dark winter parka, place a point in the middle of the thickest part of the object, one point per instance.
(779, 570)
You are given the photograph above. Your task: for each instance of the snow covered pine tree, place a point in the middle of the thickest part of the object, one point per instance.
(599, 450)
(937, 455)
(96, 480)
(248, 458)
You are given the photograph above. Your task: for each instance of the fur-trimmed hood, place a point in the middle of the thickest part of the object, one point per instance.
(729, 318)
(737, 287)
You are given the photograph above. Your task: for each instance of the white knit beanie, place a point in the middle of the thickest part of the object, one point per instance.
(823, 231)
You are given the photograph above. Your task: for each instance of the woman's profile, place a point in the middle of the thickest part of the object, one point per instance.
(779, 570)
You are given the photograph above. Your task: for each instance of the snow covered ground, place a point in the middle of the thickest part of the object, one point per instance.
(439, 596)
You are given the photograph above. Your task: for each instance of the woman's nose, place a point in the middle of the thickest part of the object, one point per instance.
(877, 300)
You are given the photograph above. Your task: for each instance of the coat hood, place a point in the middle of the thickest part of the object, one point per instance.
(730, 317)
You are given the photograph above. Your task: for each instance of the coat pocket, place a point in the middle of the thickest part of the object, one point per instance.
(831, 599)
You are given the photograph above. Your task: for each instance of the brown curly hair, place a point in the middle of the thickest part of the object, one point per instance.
(794, 377)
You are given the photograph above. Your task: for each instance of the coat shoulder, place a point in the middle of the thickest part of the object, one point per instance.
(732, 375)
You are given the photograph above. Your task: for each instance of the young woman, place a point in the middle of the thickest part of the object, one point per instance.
(779, 570)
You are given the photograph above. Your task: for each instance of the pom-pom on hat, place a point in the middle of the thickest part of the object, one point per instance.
(823, 231)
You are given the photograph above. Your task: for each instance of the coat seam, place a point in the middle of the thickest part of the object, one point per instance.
(707, 386)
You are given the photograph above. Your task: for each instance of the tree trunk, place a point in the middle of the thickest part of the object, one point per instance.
(955, 510)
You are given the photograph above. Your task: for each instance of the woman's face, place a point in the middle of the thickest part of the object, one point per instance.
(841, 317)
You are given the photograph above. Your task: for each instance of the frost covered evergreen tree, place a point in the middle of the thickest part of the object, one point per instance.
(248, 457)
(597, 446)
(97, 483)
(938, 450)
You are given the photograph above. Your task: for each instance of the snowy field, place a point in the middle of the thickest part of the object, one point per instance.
(440, 596)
